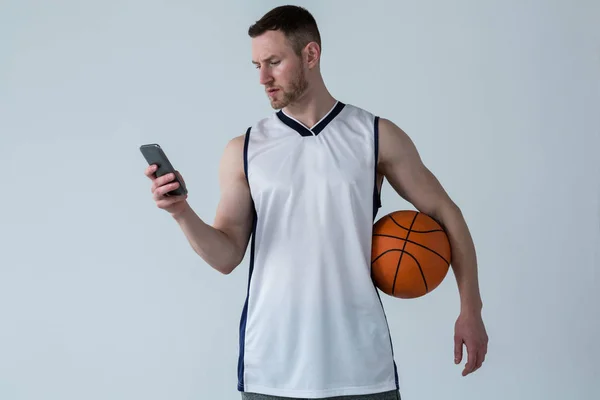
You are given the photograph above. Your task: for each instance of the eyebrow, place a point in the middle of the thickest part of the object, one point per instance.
(264, 59)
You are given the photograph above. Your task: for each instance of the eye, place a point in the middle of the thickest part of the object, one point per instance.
(275, 62)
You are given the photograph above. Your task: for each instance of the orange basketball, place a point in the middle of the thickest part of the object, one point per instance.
(410, 255)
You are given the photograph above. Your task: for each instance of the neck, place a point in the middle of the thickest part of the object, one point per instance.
(312, 106)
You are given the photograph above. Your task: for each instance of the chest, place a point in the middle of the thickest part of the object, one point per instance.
(338, 160)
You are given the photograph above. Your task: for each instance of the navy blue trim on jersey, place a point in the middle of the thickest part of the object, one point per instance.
(391, 344)
(303, 130)
(298, 127)
(376, 193)
(325, 121)
(376, 206)
(246, 139)
(244, 316)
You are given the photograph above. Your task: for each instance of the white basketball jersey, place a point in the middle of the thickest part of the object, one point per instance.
(313, 324)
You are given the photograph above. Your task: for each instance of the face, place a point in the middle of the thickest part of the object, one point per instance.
(280, 69)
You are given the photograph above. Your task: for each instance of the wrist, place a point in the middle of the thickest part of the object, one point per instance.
(183, 214)
(471, 307)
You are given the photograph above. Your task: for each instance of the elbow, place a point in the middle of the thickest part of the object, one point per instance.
(446, 211)
(228, 267)
(223, 268)
(454, 208)
(225, 263)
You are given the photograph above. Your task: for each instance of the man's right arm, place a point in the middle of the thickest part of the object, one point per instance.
(224, 244)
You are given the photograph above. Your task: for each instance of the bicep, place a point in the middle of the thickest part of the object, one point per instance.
(234, 214)
(404, 169)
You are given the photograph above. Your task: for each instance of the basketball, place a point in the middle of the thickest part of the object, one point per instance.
(410, 255)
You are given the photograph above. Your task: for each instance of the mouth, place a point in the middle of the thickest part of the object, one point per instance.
(272, 91)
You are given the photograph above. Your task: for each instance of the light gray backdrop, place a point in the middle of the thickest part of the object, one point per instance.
(102, 298)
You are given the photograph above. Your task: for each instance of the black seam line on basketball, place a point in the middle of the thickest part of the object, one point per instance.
(416, 244)
(384, 253)
(391, 251)
(414, 258)
(402, 254)
(420, 269)
(412, 230)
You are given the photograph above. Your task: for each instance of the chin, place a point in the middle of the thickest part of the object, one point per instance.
(278, 104)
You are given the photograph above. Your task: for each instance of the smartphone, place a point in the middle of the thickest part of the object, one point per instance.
(154, 154)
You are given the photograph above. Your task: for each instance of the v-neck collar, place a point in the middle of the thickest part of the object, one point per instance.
(319, 126)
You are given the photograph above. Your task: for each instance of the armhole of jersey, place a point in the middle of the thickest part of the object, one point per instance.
(376, 192)
(246, 139)
(241, 384)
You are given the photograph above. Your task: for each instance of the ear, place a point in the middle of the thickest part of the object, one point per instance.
(312, 55)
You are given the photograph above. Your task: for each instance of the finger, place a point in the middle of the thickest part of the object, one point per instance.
(150, 170)
(169, 201)
(165, 179)
(481, 356)
(164, 189)
(480, 359)
(161, 181)
(471, 361)
(458, 349)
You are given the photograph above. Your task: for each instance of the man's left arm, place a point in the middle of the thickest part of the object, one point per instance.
(401, 164)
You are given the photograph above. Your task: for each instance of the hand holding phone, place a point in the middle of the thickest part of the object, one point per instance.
(168, 186)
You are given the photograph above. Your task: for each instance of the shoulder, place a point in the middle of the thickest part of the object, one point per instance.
(232, 160)
(389, 129)
(236, 144)
(394, 143)
(392, 133)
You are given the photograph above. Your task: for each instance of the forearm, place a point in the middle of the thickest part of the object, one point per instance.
(464, 260)
(211, 244)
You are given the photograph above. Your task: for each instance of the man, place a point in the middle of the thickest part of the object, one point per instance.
(304, 184)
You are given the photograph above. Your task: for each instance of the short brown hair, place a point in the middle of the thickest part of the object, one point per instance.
(296, 23)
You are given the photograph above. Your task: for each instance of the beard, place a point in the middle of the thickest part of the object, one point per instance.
(296, 89)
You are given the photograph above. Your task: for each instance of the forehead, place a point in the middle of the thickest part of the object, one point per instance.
(269, 44)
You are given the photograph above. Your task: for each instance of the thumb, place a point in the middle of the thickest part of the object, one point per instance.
(458, 349)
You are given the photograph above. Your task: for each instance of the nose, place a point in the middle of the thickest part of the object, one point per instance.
(265, 76)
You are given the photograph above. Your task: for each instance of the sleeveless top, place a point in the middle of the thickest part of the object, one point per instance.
(313, 324)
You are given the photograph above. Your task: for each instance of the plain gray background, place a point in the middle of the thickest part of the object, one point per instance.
(101, 296)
